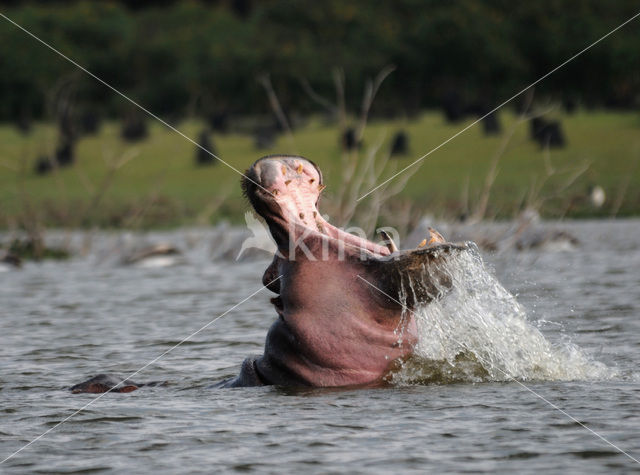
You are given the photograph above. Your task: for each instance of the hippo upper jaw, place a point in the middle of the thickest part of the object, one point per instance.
(285, 190)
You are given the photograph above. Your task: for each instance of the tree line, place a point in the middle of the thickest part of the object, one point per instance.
(203, 59)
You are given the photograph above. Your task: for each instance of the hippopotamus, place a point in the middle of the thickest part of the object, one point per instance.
(109, 382)
(343, 303)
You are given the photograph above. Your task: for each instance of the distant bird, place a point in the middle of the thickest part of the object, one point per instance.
(597, 196)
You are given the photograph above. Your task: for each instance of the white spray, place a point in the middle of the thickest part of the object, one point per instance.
(479, 332)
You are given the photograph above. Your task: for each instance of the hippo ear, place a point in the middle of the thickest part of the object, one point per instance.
(127, 389)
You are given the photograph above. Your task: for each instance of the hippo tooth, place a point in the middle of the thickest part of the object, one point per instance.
(284, 170)
(315, 213)
(435, 237)
(422, 243)
(322, 187)
(275, 192)
(389, 242)
(299, 169)
(301, 215)
(312, 180)
(287, 182)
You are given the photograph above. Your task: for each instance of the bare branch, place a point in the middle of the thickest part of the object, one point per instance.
(622, 191)
(371, 89)
(265, 81)
(306, 86)
(338, 80)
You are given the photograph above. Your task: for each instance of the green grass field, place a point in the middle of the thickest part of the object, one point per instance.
(161, 186)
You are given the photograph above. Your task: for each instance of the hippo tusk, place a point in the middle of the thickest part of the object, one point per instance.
(388, 241)
(435, 237)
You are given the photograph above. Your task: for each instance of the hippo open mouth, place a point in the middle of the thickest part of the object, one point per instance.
(342, 299)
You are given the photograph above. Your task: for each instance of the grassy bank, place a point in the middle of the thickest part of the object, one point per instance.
(156, 183)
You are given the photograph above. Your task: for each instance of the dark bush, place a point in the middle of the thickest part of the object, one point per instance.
(43, 165)
(23, 123)
(89, 122)
(203, 157)
(400, 144)
(65, 153)
(452, 106)
(134, 128)
(264, 137)
(491, 124)
(547, 133)
(219, 121)
(348, 140)
(64, 156)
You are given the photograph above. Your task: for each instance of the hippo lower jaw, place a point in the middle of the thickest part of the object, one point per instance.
(332, 328)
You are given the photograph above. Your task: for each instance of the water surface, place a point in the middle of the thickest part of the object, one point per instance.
(64, 321)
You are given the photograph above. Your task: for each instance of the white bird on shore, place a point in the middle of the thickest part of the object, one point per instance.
(597, 196)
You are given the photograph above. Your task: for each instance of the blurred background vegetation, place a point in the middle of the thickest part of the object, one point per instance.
(247, 78)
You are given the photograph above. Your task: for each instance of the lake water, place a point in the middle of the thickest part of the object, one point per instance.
(64, 321)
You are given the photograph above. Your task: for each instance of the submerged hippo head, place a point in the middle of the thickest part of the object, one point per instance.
(340, 320)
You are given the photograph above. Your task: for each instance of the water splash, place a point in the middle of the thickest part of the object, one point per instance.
(478, 332)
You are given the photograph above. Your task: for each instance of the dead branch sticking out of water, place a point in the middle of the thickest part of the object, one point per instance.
(624, 186)
(361, 168)
(265, 81)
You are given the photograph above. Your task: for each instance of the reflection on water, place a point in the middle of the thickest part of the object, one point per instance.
(575, 325)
